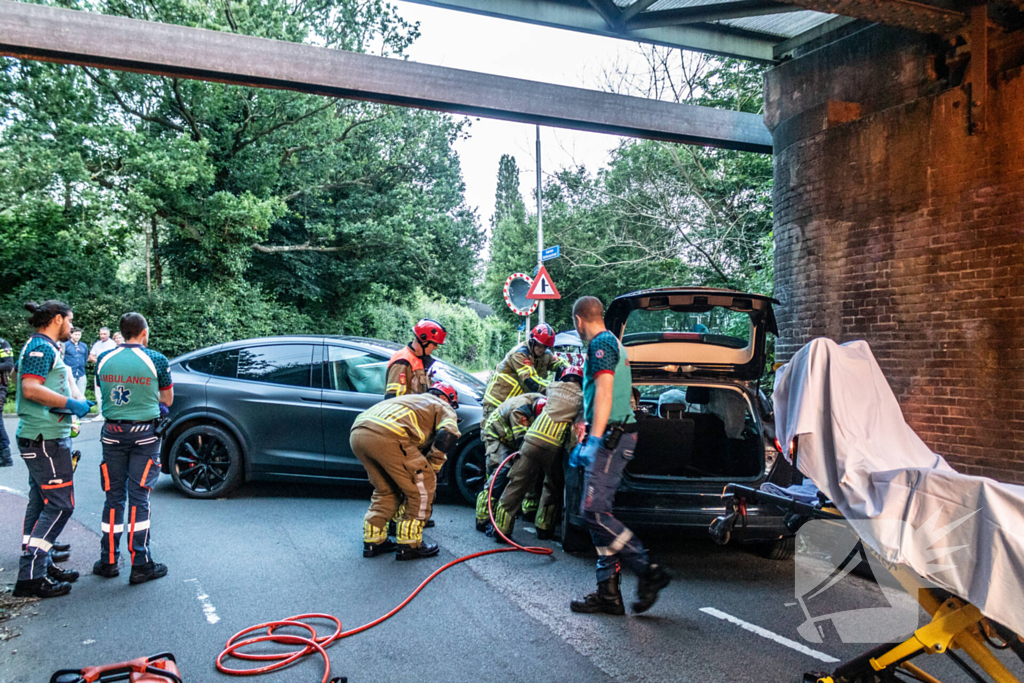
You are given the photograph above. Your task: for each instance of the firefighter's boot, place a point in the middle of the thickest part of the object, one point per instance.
(409, 552)
(376, 541)
(410, 541)
(505, 523)
(650, 584)
(44, 587)
(607, 599)
(483, 520)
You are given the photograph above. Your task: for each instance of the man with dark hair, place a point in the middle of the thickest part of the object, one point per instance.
(44, 439)
(607, 393)
(6, 366)
(75, 355)
(136, 385)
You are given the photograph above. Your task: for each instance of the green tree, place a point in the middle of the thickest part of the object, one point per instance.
(508, 201)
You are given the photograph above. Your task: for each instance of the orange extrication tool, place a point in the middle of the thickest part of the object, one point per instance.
(156, 669)
(316, 643)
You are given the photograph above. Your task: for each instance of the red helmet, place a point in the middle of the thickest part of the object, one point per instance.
(572, 371)
(428, 330)
(543, 334)
(446, 391)
(538, 407)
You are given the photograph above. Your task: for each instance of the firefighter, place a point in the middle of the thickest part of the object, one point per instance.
(542, 452)
(409, 367)
(403, 442)
(524, 369)
(607, 393)
(44, 440)
(503, 432)
(137, 391)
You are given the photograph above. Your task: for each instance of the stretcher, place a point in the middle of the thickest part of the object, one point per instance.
(953, 541)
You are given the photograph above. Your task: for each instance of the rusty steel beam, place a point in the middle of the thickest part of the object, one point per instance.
(30, 31)
(916, 16)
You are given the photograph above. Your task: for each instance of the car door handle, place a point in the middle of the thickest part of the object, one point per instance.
(321, 400)
(337, 403)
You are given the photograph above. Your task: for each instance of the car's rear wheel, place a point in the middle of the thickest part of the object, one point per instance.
(470, 472)
(205, 462)
(781, 549)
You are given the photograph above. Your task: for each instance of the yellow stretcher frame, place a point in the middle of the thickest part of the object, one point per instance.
(956, 625)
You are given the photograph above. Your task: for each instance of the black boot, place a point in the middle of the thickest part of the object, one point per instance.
(107, 571)
(407, 552)
(388, 545)
(147, 572)
(545, 534)
(58, 574)
(61, 547)
(650, 584)
(483, 525)
(41, 588)
(59, 555)
(5, 458)
(429, 524)
(605, 600)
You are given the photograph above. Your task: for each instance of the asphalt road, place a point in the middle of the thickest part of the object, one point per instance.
(272, 551)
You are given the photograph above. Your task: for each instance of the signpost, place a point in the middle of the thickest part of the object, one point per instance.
(543, 287)
(515, 291)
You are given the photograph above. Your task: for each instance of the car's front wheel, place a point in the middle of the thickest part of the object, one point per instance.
(470, 471)
(205, 462)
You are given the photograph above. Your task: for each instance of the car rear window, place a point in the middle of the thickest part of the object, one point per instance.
(717, 325)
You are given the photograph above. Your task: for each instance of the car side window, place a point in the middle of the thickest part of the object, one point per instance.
(287, 364)
(219, 364)
(355, 370)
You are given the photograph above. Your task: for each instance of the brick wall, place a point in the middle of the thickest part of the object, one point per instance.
(902, 229)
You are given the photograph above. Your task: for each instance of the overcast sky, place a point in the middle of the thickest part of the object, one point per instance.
(510, 48)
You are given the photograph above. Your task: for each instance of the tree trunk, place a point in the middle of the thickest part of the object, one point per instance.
(158, 270)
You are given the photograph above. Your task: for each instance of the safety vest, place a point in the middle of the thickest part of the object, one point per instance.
(402, 380)
(551, 427)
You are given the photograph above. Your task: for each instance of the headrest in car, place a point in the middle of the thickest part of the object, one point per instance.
(698, 395)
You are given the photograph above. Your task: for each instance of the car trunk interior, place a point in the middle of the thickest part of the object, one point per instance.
(696, 432)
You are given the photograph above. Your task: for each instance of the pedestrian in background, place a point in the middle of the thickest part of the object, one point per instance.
(99, 347)
(137, 383)
(75, 355)
(44, 439)
(6, 366)
(118, 338)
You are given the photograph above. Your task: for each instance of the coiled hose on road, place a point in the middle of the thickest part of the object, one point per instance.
(315, 643)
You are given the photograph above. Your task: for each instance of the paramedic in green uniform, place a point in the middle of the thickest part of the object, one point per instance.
(607, 392)
(136, 386)
(44, 440)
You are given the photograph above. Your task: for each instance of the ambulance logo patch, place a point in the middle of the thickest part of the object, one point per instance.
(120, 395)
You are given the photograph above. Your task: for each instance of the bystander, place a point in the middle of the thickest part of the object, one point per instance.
(75, 355)
(100, 346)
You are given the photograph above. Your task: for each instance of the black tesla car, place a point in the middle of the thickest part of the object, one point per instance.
(280, 408)
(696, 356)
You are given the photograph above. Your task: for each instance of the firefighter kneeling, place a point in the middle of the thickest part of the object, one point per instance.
(503, 433)
(403, 443)
(542, 452)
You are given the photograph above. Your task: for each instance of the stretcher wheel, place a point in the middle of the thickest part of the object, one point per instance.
(781, 549)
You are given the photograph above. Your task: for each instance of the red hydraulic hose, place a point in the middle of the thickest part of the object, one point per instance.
(318, 644)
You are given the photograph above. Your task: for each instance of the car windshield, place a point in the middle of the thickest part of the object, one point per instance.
(460, 379)
(716, 325)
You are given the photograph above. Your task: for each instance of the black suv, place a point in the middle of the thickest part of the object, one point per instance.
(696, 356)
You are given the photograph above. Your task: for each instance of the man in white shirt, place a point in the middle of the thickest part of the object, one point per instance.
(104, 343)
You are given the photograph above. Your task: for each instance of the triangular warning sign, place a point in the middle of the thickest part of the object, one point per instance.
(543, 287)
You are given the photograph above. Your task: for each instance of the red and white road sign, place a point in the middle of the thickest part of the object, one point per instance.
(543, 286)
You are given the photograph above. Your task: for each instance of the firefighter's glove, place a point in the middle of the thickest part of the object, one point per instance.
(79, 408)
(583, 455)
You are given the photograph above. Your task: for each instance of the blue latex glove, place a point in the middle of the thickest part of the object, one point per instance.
(164, 410)
(585, 452)
(79, 408)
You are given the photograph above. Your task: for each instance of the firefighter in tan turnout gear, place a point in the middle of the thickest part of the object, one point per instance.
(541, 453)
(409, 367)
(403, 443)
(503, 432)
(524, 369)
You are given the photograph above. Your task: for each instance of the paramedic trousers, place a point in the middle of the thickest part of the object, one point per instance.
(393, 473)
(130, 468)
(614, 542)
(535, 462)
(51, 501)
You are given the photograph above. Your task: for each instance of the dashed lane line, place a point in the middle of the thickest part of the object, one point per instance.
(765, 633)
(208, 609)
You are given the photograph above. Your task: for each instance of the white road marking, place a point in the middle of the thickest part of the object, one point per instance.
(208, 609)
(14, 491)
(765, 633)
(88, 642)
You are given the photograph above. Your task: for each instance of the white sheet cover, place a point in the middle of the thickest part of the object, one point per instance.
(963, 533)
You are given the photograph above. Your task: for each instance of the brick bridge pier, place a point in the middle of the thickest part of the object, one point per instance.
(899, 219)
